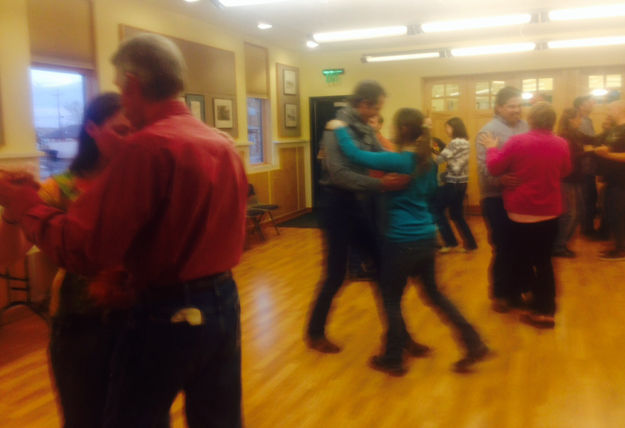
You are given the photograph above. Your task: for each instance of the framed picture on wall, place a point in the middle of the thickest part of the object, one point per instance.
(289, 79)
(290, 116)
(223, 113)
(195, 102)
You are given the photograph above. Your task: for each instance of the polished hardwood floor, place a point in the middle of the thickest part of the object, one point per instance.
(572, 376)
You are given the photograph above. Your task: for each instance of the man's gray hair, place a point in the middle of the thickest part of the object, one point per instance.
(156, 61)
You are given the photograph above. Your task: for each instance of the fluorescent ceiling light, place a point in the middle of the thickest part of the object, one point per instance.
(580, 43)
(603, 11)
(364, 33)
(235, 3)
(264, 26)
(493, 49)
(192, 1)
(471, 24)
(599, 92)
(312, 44)
(401, 57)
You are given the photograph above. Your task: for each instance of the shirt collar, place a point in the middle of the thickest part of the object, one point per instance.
(168, 108)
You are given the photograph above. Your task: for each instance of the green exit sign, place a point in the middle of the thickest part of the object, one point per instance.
(332, 74)
(333, 71)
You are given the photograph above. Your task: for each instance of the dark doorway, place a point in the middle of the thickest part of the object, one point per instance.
(322, 109)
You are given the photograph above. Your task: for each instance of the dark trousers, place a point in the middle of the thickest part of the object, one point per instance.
(505, 285)
(615, 211)
(348, 222)
(573, 205)
(80, 355)
(451, 195)
(415, 259)
(533, 244)
(589, 196)
(155, 359)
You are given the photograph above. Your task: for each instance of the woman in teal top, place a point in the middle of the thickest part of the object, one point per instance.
(409, 247)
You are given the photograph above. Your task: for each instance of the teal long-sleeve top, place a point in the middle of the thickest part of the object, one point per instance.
(410, 218)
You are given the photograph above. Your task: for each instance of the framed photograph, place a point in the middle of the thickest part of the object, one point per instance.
(290, 116)
(223, 113)
(289, 78)
(195, 102)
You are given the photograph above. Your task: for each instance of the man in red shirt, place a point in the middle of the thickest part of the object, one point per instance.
(170, 208)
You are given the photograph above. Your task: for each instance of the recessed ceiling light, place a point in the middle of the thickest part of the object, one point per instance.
(471, 24)
(192, 1)
(603, 11)
(401, 57)
(581, 43)
(312, 44)
(364, 33)
(493, 49)
(236, 3)
(264, 26)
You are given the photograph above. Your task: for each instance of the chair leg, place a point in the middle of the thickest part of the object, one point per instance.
(258, 229)
(275, 226)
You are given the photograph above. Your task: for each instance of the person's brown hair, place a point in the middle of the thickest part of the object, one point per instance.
(542, 116)
(368, 91)
(506, 94)
(409, 128)
(564, 124)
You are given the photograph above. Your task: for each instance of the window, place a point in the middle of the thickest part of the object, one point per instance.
(485, 93)
(537, 89)
(445, 97)
(58, 102)
(605, 88)
(256, 129)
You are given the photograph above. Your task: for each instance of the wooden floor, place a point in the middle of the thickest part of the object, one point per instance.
(573, 376)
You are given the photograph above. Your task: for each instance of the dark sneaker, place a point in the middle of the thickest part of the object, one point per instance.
(613, 255)
(500, 305)
(417, 350)
(393, 368)
(563, 252)
(480, 353)
(538, 320)
(322, 344)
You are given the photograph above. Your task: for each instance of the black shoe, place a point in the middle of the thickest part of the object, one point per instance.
(501, 306)
(612, 255)
(393, 368)
(322, 344)
(563, 252)
(539, 320)
(475, 355)
(417, 350)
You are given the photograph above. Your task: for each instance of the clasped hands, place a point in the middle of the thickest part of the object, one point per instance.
(18, 193)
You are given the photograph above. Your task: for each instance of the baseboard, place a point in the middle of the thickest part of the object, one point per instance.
(290, 216)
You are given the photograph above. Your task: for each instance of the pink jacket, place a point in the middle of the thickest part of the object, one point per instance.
(539, 160)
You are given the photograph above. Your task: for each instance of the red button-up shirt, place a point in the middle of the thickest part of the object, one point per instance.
(170, 207)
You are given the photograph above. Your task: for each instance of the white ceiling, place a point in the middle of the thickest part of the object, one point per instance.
(295, 21)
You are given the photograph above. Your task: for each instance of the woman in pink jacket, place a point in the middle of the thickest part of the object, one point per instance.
(539, 160)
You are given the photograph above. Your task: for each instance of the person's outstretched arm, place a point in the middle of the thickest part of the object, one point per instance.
(384, 161)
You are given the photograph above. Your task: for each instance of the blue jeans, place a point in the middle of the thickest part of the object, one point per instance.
(401, 260)
(451, 195)
(156, 359)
